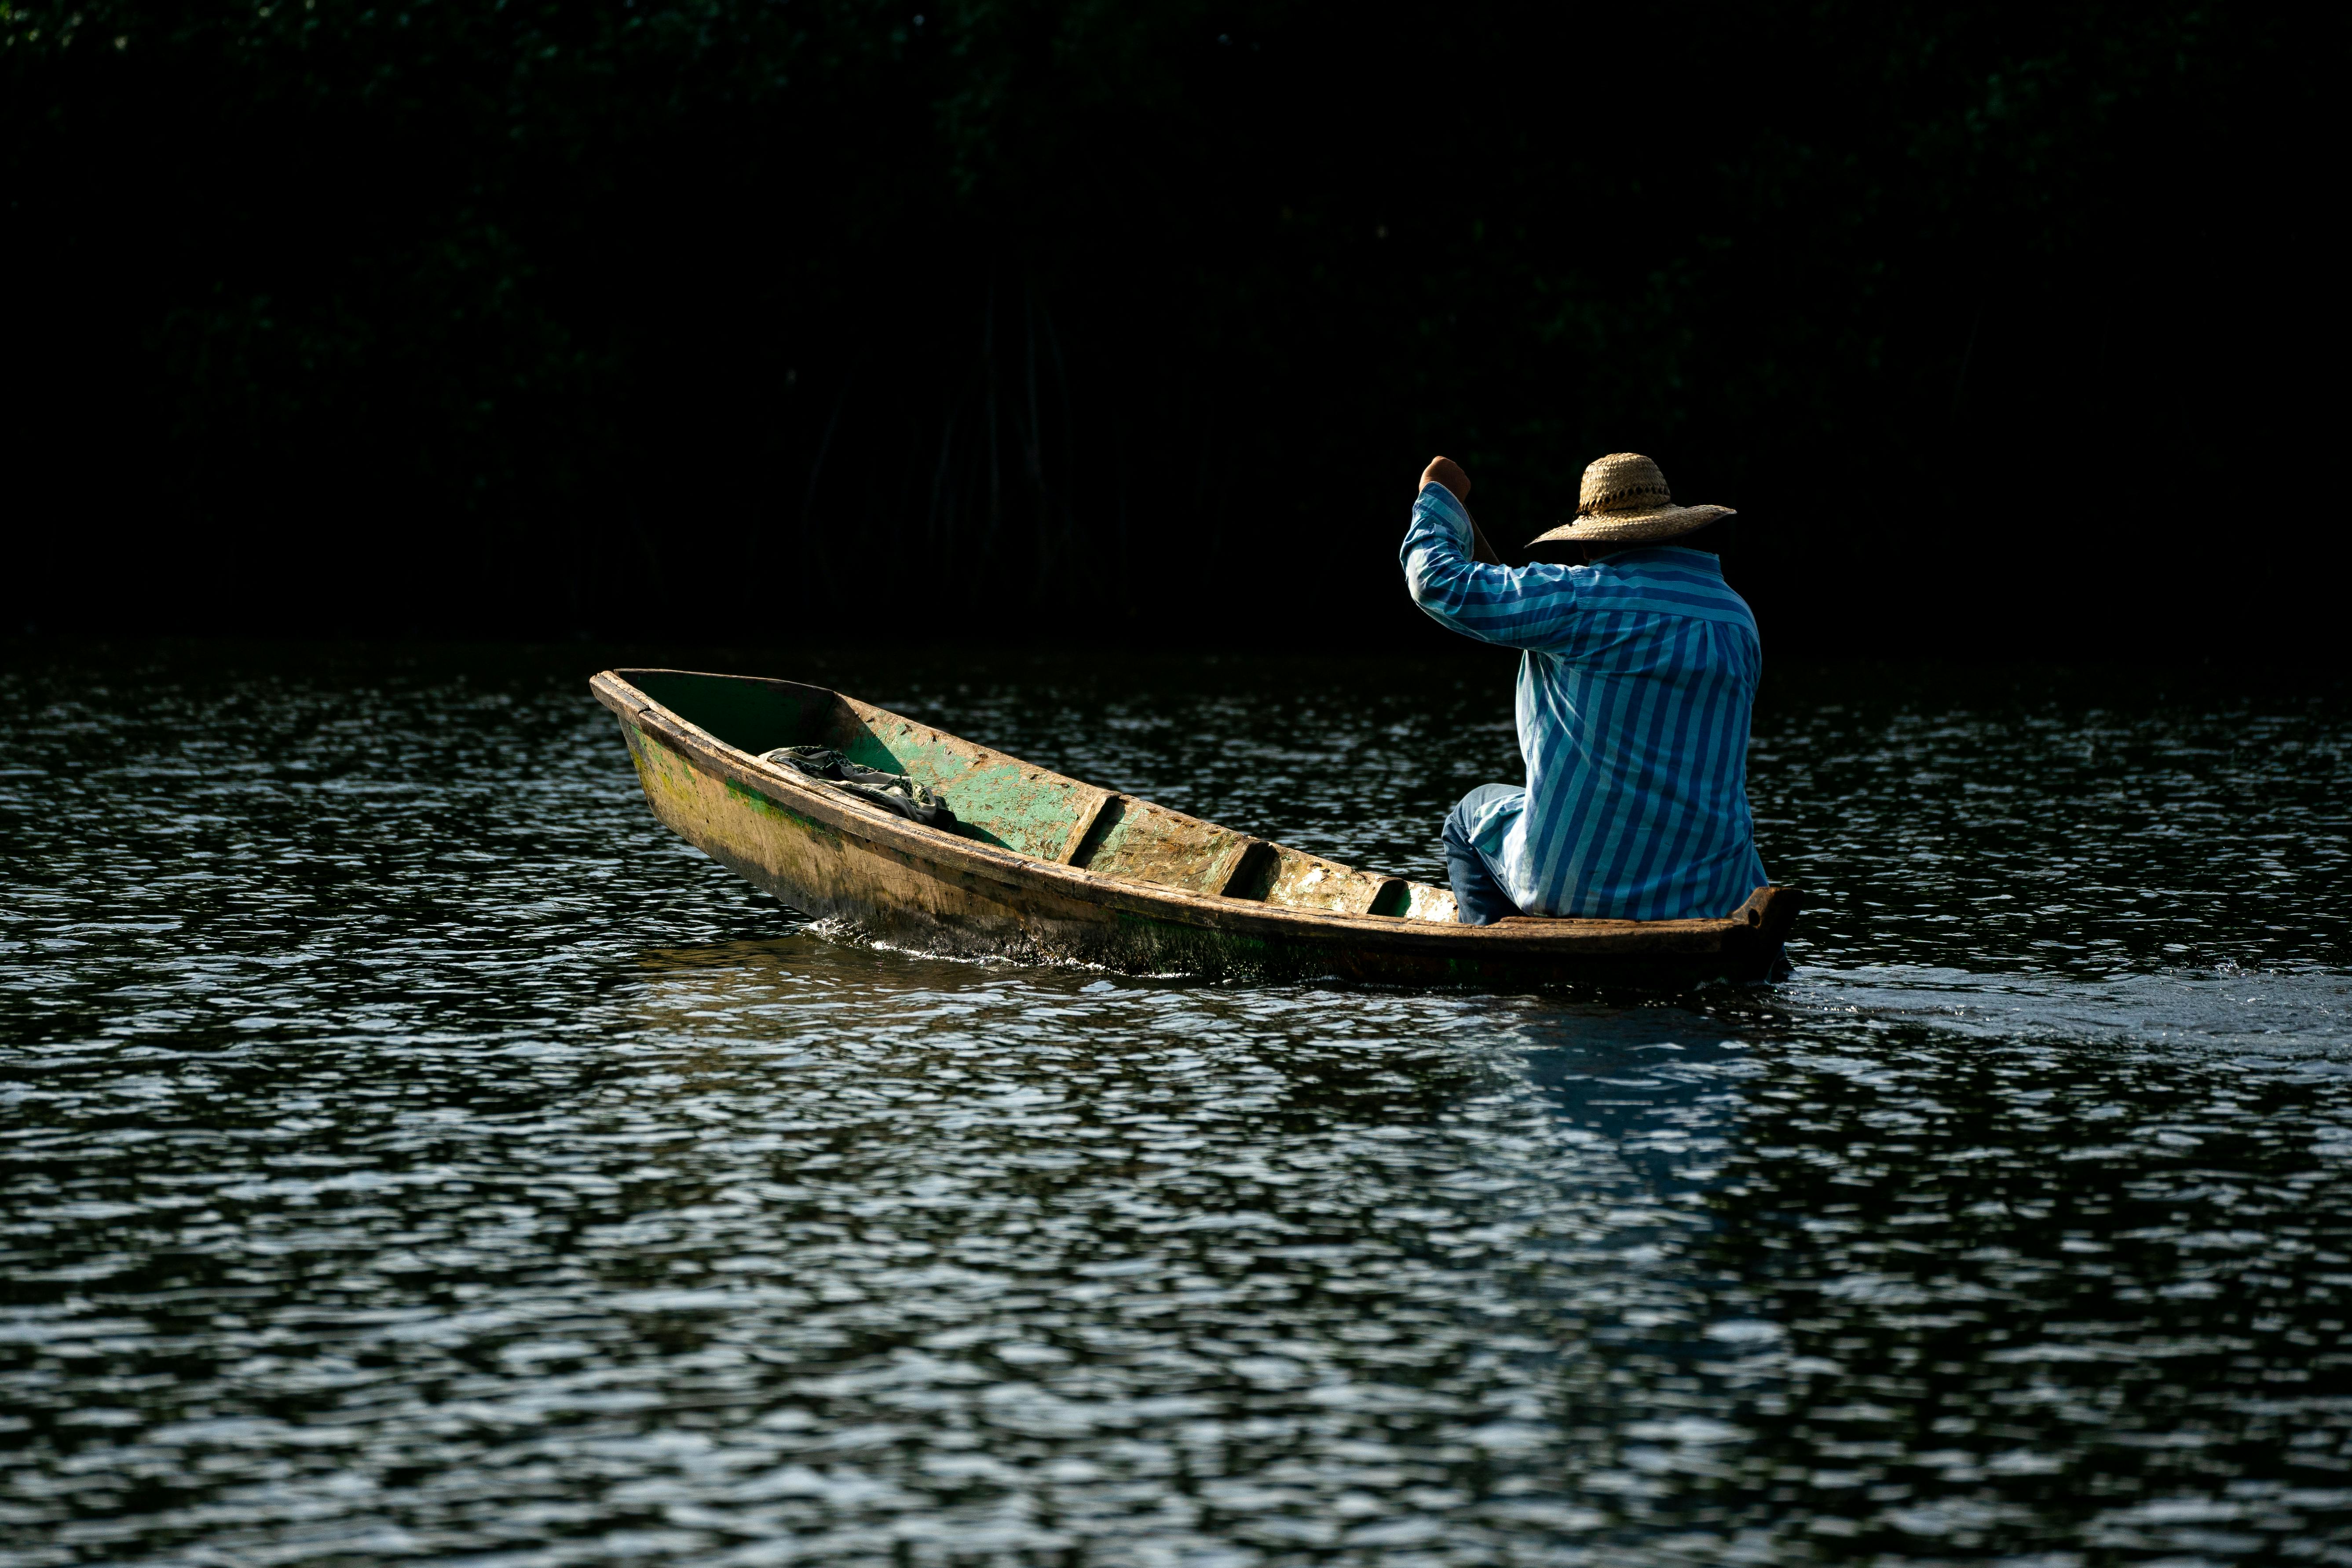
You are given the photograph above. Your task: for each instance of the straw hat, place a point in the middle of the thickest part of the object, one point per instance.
(1624, 500)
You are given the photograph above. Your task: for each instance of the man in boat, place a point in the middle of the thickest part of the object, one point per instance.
(1635, 684)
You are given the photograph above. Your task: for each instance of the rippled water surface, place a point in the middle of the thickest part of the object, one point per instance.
(412, 1153)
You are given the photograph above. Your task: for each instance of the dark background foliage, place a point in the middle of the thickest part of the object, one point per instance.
(1080, 320)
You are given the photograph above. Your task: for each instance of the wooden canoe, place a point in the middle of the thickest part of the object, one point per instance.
(1043, 867)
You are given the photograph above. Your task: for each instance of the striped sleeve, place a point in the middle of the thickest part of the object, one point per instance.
(1523, 607)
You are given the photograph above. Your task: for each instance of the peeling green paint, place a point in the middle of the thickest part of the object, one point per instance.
(996, 800)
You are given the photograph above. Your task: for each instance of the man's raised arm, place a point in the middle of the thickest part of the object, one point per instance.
(1442, 556)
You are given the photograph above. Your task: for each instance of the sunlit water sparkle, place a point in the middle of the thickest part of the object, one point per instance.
(415, 1153)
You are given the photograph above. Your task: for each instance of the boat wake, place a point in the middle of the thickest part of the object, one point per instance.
(2296, 1013)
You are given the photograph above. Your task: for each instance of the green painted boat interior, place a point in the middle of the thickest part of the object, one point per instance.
(997, 799)
(1001, 800)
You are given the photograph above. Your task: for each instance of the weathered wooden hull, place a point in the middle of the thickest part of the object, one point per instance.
(830, 855)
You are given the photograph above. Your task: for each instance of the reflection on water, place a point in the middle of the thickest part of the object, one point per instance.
(413, 1154)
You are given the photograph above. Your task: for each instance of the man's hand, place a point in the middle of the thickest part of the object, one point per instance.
(1447, 472)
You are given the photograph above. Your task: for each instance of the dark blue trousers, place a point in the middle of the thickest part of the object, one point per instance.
(1478, 898)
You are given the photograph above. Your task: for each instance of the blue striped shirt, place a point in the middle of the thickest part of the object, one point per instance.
(1633, 699)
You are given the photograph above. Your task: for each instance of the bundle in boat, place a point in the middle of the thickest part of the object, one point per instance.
(894, 792)
(1029, 863)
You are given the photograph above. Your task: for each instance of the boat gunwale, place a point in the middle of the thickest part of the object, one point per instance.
(902, 836)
